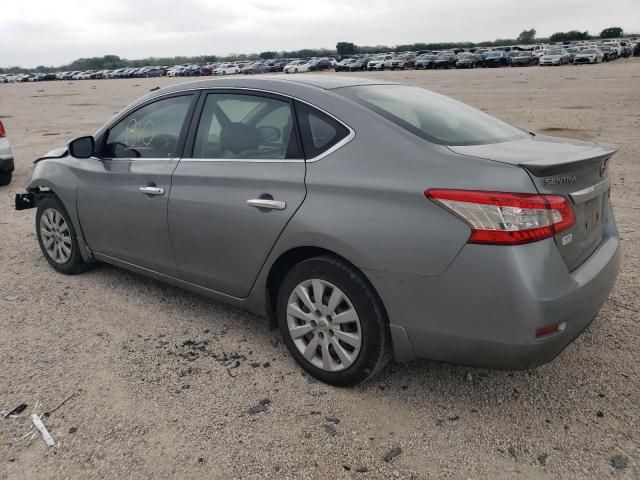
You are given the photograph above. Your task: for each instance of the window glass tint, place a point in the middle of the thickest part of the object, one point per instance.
(150, 132)
(319, 131)
(431, 116)
(246, 127)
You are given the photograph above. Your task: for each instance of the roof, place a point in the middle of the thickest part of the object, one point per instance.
(326, 82)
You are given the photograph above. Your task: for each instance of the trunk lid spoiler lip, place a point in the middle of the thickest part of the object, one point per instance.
(600, 152)
(552, 165)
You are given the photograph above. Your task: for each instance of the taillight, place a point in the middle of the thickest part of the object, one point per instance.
(2, 132)
(498, 218)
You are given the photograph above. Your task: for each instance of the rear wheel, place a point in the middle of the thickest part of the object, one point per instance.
(57, 237)
(5, 178)
(332, 322)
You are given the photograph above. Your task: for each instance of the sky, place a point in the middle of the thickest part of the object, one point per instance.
(56, 32)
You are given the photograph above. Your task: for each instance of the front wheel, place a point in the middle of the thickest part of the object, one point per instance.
(332, 321)
(57, 237)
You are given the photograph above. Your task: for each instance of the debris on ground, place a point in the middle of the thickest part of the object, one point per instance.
(37, 421)
(154, 89)
(393, 453)
(619, 462)
(260, 407)
(542, 459)
(46, 414)
(16, 411)
(332, 420)
(331, 429)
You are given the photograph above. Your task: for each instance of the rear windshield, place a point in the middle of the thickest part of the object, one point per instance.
(431, 116)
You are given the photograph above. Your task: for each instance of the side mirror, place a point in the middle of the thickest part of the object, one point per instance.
(82, 147)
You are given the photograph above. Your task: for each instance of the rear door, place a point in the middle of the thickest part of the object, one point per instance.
(239, 183)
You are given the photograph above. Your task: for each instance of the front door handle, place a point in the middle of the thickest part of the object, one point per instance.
(152, 190)
(267, 204)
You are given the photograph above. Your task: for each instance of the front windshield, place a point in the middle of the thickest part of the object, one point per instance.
(431, 116)
(588, 51)
(493, 54)
(555, 52)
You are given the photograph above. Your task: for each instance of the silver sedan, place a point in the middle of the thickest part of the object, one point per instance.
(366, 220)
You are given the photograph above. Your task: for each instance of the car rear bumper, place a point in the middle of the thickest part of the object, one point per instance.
(485, 309)
(6, 164)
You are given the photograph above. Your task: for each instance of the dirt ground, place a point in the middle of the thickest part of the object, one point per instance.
(163, 378)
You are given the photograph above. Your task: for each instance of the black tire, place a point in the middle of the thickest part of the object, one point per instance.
(75, 264)
(375, 348)
(5, 178)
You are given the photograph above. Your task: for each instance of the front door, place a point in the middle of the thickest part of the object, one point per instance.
(123, 195)
(240, 182)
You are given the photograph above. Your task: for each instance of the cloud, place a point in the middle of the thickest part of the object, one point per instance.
(54, 33)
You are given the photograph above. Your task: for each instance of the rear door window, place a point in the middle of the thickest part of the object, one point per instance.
(245, 126)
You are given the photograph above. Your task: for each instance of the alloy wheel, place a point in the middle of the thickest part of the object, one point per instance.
(324, 325)
(56, 236)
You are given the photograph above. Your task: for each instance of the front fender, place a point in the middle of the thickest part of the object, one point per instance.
(52, 175)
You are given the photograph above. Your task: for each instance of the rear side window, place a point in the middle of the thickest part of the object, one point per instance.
(434, 117)
(243, 126)
(319, 131)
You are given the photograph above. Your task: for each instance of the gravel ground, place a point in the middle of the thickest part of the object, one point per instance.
(169, 384)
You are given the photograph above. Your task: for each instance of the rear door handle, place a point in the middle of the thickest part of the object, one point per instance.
(267, 204)
(152, 190)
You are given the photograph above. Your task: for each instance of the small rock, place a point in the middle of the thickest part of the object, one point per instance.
(264, 401)
(200, 460)
(512, 452)
(332, 420)
(362, 469)
(454, 418)
(393, 453)
(154, 89)
(255, 365)
(469, 377)
(542, 459)
(331, 429)
(619, 462)
(257, 409)
(600, 413)
(11, 298)
(346, 467)
(266, 365)
(73, 429)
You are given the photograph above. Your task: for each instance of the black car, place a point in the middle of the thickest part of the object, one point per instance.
(445, 60)
(525, 59)
(319, 64)
(468, 60)
(277, 65)
(496, 58)
(425, 61)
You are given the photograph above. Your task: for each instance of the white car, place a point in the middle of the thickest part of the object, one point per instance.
(380, 62)
(227, 69)
(297, 66)
(6, 158)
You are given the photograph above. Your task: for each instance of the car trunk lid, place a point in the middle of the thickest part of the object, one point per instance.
(572, 168)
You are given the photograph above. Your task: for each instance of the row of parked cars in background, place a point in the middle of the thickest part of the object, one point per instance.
(516, 56)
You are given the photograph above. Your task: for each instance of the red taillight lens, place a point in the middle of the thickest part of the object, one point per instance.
(2, 132)
(498, 218)
(541, 332)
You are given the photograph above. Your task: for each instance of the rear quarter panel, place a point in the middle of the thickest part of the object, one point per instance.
(366, 200)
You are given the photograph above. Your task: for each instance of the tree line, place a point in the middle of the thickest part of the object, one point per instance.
(111, 62)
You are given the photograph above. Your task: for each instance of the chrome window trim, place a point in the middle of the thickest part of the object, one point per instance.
(337, 146)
